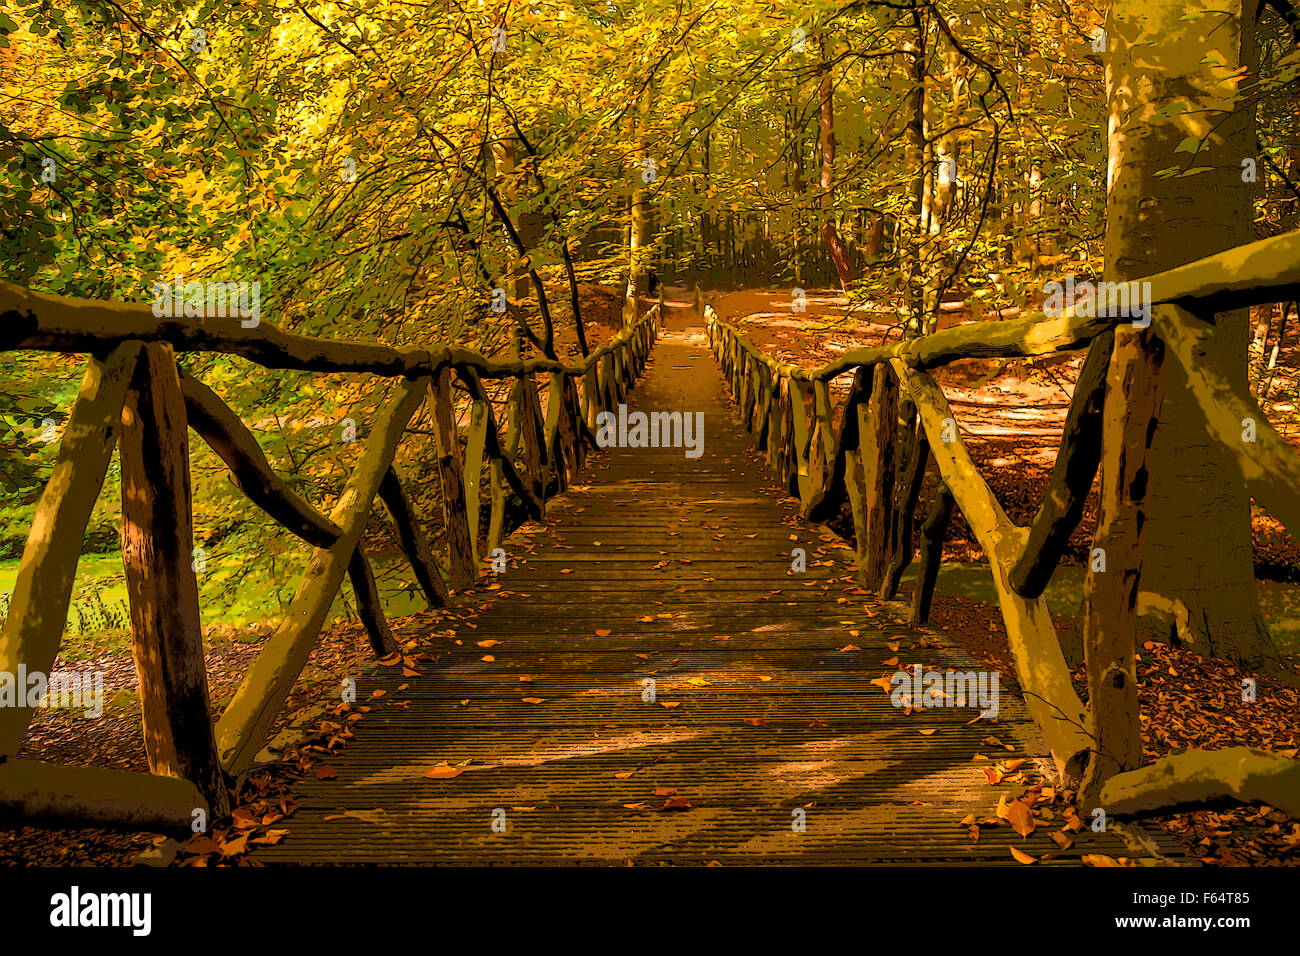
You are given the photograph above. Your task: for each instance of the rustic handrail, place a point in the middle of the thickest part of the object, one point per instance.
(133, 361)
(788, 409)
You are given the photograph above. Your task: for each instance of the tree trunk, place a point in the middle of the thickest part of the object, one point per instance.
(830, 235)
(642, 227)
(1198, 551)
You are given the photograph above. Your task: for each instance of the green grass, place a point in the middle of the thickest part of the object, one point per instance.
(98, 621)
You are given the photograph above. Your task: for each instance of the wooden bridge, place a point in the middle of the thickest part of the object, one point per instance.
(692, 693)
(765, 729)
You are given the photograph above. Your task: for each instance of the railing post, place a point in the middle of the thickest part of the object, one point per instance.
(558, 433)
(878, 434)
(532, 438)
(474, 448)
(158, 557)
(460, 550)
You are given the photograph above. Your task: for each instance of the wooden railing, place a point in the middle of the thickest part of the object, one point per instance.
(789, 411)
(134, 395)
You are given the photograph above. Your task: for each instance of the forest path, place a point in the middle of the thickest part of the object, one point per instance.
(767, 740)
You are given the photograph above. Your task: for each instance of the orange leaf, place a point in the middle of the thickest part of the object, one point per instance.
(444, 772)
(1020, 817)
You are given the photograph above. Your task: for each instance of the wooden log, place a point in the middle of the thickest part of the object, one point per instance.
(532, 439)
(38, 609)
(907, 492)
(244, 725)
(1110, 593)
(822, 453)
(747, 401)
(933, 530)
(35, 320)
(480, 416)
(157, 555)
(1072, 475)
(52, 323)
(877, 437)
(775, 424)
(35, 792)
(1269, 465)
(829, 502)
(1031, 635)
(369, 606)
(412, 540)
(497, 515)
(558, 435)
(501, 453)
(762, 406)
(609, 388)
(1196, 779)
(787, 468)
(576, 424)
(460, 550)
(226, 434)
(590, 398)
(1253, 274)
(800, 437)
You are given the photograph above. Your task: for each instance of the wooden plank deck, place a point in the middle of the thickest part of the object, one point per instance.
(685, 562)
